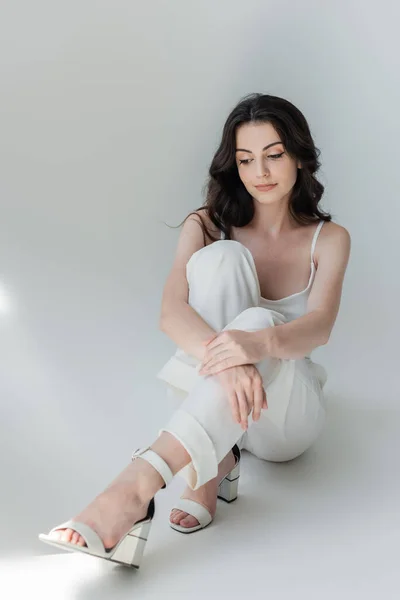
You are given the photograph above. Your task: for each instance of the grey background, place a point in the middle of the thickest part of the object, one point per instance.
(110, 113)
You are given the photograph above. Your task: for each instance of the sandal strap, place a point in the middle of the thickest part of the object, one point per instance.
(157, 462)
(195, 509)
(92, 539)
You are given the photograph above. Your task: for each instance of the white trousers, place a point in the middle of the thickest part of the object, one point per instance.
(224, 290)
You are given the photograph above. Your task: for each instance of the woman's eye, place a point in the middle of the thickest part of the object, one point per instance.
(246, 161)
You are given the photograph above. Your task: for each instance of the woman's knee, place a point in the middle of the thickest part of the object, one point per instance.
(253, 318)
(222, 282)
(226, 253)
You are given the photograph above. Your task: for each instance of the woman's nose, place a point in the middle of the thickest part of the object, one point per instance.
(261, 170)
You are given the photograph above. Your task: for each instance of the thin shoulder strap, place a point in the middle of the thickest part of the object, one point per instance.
(314, 241)
(222, 235)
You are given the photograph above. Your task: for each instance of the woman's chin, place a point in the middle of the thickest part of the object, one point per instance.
(269, 200)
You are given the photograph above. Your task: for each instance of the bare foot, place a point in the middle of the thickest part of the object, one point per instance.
(206, 494)
(114, 512)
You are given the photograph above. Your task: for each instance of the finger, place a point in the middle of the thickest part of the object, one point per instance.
(226, 363)
(234, 406)
(214, 343)
(258, 401)
(265, 402)
(243, 407)
(214, 358)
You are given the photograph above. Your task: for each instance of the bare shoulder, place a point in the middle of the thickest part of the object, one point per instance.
(202, 218)
(335, 230)
(193, 237)
(333, 241)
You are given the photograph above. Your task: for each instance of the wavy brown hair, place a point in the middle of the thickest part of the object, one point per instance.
(228, 203)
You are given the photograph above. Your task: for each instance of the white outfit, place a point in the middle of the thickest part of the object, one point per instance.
(224, 290)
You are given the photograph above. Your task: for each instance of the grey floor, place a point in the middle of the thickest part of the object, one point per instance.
(326, 525)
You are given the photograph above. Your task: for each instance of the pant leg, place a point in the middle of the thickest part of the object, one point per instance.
(303, 422)
(222, 282)
(204, 423)
(224, 290)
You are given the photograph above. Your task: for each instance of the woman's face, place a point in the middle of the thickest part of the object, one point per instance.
(261, 159)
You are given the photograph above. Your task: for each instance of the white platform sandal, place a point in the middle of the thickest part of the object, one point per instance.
(227, 491)
(129, 550)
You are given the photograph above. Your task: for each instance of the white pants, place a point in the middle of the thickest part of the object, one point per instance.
(224, 291)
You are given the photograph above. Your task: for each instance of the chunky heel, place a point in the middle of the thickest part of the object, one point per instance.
(130, 552)
(228, 488)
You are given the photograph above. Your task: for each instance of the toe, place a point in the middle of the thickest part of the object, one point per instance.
(75, 537)
(176, 515)
(182, 518)
(67, 535)
(58, 534)
(61, 535)
(189, 521)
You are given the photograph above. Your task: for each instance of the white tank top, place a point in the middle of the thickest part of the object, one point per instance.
(294, 306)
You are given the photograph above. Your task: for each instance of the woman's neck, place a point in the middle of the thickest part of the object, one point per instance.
(272, 220)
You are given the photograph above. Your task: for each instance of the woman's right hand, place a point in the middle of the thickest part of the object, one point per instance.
(245, 390)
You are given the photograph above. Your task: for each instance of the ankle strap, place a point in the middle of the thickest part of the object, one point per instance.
(156, 461)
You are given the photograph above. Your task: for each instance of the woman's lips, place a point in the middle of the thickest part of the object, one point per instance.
(266, 188)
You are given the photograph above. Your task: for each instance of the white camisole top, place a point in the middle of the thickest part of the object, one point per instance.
(294, 306)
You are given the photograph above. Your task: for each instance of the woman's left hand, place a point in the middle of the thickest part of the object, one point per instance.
(231, 348)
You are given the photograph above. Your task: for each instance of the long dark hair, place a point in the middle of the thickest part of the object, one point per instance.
(228, 203)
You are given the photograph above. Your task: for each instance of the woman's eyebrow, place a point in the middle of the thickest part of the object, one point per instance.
(265, 148)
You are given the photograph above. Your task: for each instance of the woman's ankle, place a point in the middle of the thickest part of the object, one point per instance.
(171, 451)
(147, 481)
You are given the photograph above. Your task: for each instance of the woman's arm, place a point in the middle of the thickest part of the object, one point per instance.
(299, 337)
(178, 320)
(187, 329)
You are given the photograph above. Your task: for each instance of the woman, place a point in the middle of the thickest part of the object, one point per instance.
(245, 313)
